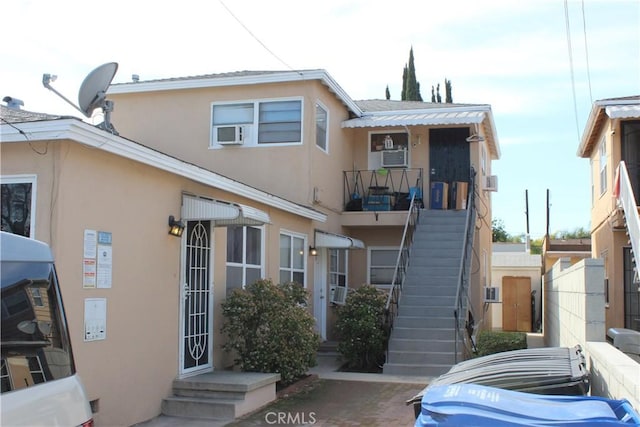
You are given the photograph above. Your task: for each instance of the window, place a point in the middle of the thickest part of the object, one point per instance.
(603, 166)
(244, 256)
(257, 123)
(18, 204)
(389, 141)
(382, 264)
(292, 257)
(338, 267)
(322, 121)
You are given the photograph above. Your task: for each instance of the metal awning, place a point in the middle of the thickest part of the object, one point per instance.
(417, 119)
(221, 213)
(336, 241)
(623, 111)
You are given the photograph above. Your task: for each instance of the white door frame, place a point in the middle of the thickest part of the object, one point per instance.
(184, 294)
(320, 292)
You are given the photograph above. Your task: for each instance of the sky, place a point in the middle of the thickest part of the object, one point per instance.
(540, 64)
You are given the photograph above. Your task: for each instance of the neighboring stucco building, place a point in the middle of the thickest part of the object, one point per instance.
(263, 168)
(517, 274)
(611, 138)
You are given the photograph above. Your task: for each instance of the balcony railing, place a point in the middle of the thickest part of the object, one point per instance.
(384, 189)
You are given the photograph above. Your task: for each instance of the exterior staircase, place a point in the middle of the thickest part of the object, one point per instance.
(422, 341)
(220, 395)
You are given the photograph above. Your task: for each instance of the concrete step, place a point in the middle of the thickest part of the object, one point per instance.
(421, 357)
(421, 345)
(422, 322)
(436, 240)
(193, 407)
(434, 301)
(426, 312)
(430, 262)
(431, 370)
(428, 251)
(421, 272)
(453, 227)
(423, 333)
(421, 295)
(430, 286)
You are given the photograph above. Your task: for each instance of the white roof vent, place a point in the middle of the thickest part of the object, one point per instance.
(14, 103)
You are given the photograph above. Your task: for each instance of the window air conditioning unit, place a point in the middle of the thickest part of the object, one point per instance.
(491, 183)
(394, 158)
(231, 135)
(338, 295)
(491, 294)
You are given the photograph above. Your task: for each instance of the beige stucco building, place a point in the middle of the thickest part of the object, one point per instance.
(262, 168)
(610, 141)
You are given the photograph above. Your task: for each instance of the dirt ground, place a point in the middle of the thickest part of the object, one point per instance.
(323, 402)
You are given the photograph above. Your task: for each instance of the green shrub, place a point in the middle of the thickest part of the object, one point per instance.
(270, 329)
(360, 329)
(490, 342)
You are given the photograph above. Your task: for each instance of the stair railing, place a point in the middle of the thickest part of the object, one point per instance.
(402, 262)
(459, 312)
(627, 201)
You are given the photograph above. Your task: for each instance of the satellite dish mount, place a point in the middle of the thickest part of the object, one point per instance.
(92, 94)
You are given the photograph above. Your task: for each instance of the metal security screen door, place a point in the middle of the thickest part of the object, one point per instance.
(197, 300)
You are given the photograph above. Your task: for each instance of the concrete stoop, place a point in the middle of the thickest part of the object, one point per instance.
(220, 395)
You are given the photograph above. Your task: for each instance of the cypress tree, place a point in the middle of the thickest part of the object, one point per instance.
(447, 89)
(438, 97)
(387, 95)
(413, 87)
(403, 94)
(433, 94)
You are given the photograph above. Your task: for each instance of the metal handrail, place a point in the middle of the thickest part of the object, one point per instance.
(402, 262)
(627, 201)
(465, 264)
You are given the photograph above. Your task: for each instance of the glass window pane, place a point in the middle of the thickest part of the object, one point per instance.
(232, 114)
(384, 256)
(280, 122)
(253, 275)
(381, 276)
(321, 127)
(298, 277)
(333, 259)
(285, 276)
(234, 244)
(298, 253)
(16, 208)
(342, 261)
(234, 278)
(254, 245)
(285, 251)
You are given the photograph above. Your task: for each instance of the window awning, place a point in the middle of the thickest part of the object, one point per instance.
(420, 118)
(336, 241)
(221, 213)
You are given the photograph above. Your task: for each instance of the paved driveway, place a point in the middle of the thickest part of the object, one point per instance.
(325, 402)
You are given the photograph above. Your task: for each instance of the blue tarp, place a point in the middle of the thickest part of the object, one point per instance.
(477, 405)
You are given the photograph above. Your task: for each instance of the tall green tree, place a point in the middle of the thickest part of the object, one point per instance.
(387, 94)
(410, 85)
(447, 91)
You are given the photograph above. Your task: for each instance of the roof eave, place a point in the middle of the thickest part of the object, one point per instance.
(86, 134)
(197, 83)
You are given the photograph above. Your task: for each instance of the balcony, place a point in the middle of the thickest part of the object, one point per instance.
(386, 193)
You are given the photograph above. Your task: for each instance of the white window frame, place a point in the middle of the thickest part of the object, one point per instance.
(322, 145)
(370, 266)
(290, 269)
(26, 179)
(251, 138)
(602, 157)
(244, 265)
(335, 273)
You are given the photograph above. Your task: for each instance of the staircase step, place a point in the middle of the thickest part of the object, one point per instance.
(401, 332)
(193, 407)
(421, 322)
(431, 262)
(421, 357)
(421, 241)
(434, 301)
(417, 345)
(429, 251)
(431, 370)
(434, 286)
(421, 272)
(424, 311)
(421, 295)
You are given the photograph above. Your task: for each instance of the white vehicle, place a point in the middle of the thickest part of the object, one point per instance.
(37, 372)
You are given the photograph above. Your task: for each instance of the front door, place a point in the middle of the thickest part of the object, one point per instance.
(320, 292)
(631, 154)
(449, 157)
(196, 349)
(516, 304)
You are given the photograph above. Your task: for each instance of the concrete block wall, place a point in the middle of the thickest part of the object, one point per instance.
(613, 374)
(574, 303)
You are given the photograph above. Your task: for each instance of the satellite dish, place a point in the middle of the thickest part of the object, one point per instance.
(93, 91)
(92, 94)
